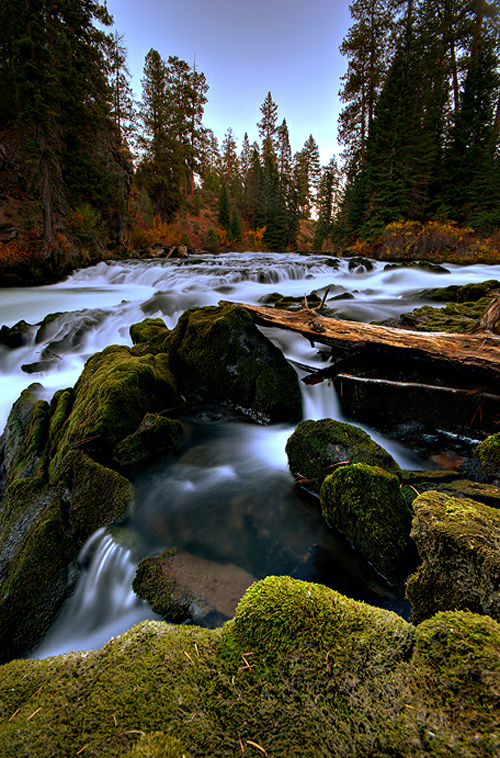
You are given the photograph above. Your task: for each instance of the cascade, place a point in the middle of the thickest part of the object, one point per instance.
(229, 497)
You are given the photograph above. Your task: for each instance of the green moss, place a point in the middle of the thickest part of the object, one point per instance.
(147, 330)
(316, 447)
(114, 392)
(488, 454)
(219, 355)
(454, 317)
(366, 504)
(466, 293)
(455, 670)
(35, 586)
(155, 437)
(99, 496)
(279, 614)
(459, 543)
(157, 745)
(321, 676)
(163, 595)
(60, 408)
(22, 441)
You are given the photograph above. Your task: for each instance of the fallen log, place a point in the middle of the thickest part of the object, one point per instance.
(474, 356)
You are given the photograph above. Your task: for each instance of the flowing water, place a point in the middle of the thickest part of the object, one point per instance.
(227, 496)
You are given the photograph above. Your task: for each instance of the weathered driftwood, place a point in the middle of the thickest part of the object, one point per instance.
(476, 354)
(490, 317)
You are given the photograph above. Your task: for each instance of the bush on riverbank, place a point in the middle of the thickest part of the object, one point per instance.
(437, 241)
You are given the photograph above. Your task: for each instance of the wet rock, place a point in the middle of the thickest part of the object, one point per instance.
(15, 336)
(487, 454)
(218, 355)
(360, 264)
(155, 437)
(366, 504)
(459, 543)
(317, 447)
(183, 587)
(38, 367)
(147, 329)
(465, 293)
(112, 396)
(99, 496)
(435, 268)
(24, 437)
(36, 553)
(458, 487)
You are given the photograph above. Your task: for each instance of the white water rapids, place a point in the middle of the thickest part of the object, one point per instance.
(228, 495)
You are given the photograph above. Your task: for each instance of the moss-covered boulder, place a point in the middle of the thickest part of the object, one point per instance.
(455, 318)
(156, 436)
(147, 329)
(459, 543)
(455, 671)
(99, 496)
(455, 485)
(218, 355)
(24, 437)
(112, 396)
(488, 456)
(461, 293)
(366, 504)
(301, 670)
(35, 565)
(316, 447)
(279, 615)
(181, 586)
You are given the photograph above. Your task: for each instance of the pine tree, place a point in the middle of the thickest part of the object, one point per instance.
(54, 94)
(367, 48)
(224, 215)
(268, 126)
(123, 110)
(235, 227)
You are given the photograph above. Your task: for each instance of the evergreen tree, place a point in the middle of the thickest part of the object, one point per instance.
(268, 126)
(224, 216)
(160, 168)
(123, 110)
(235, 227)
(367, 48)
(327, 201)
(54, 94)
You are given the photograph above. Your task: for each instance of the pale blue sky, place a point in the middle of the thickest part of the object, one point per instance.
(246, 48)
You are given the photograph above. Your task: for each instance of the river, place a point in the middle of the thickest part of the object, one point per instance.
(227, 496)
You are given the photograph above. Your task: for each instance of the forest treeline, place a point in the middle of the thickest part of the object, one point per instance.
(420, 130)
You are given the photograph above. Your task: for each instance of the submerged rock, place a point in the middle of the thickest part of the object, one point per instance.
(316, 447)
(459, 543)
(359, 263)
(366, 504)
(183, 587)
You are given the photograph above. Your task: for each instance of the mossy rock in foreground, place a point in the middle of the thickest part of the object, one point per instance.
(218, 355)
(366, 504)
(300, 671)
(316, 447)
(459, 542)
